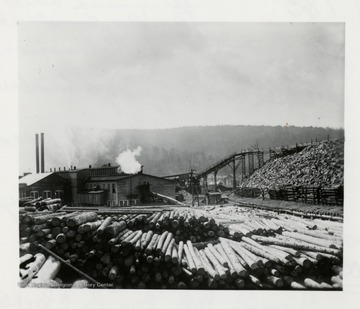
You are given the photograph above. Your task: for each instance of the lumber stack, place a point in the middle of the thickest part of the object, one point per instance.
(185, 248)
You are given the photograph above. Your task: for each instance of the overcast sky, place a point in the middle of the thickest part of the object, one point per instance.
(162, 75)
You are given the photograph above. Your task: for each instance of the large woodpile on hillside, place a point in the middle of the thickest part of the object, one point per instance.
(319, 165)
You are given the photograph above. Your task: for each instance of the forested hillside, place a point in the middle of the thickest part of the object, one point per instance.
(171, 151)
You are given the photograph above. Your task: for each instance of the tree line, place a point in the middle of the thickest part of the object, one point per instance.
(172, 151)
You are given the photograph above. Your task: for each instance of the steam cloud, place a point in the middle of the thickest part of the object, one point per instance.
(79, 146)
(127, 161)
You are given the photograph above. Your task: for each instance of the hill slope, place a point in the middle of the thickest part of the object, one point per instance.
(172, 151)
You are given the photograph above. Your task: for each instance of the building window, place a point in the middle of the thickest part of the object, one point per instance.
(59, 194)
(124, 203)
(113, 188)
(22, 192)
(46, 194)
(108, 187)
(34, 194)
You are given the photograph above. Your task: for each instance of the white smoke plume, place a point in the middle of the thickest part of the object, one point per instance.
(127, 161)
(77, 146)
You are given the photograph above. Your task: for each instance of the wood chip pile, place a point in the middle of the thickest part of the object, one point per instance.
(318, 165)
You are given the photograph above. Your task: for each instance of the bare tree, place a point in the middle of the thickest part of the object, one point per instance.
(255, 146)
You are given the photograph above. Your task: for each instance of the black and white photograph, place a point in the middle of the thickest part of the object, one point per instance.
(181, 155)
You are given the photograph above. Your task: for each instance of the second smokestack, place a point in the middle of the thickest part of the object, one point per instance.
(37, 153)
(42, 154)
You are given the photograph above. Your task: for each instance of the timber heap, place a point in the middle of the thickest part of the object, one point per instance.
(40, 203)
(179, 248)
(318, 165)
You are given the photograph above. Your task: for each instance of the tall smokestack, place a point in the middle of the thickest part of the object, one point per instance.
(37, 153)
(42, 154)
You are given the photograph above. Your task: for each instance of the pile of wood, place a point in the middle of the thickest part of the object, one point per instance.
(39, 271)
(333, 212)
(97, 242)
(280, 251)
(183, 248)
(318, 165)
(40, 204)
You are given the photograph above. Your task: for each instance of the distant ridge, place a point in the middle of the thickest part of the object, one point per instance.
(176, 150)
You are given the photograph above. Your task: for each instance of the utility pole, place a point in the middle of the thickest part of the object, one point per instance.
(192, 185)
(198, 197)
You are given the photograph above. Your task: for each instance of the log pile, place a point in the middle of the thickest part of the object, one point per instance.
(94, 242)
(184, 248)
(40, 204)
(37, 271)
(333, 212)
(318, 165)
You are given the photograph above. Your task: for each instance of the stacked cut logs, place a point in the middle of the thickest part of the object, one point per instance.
(40, 204)
(311, 267)
(37, 271)
(310, 211)
(244, 222)
(183, 248)
(107, 245)
(29, 201)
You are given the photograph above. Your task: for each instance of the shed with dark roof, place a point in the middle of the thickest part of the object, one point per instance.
(45, 185)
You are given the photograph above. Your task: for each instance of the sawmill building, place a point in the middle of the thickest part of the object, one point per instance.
(123, 190)
(96, 186)
(100, 186)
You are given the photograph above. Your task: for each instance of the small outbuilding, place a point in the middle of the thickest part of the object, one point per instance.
(45, 185)
(214, 197)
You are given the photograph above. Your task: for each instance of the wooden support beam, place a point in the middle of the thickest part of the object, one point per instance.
(260, 155)
(215, 173)
(251, 162)
(243, 166)
(234, 174)
(239, 162)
